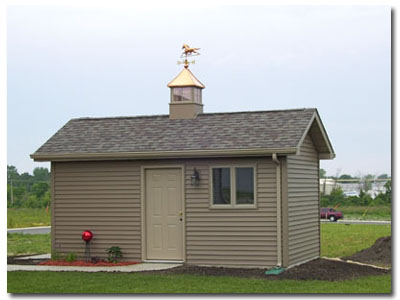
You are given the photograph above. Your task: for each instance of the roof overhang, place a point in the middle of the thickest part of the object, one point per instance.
(162, 154)
(319, 137)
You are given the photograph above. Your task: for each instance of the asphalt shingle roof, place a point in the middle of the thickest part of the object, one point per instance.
(209, 131)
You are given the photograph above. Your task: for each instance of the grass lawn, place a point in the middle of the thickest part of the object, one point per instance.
(78, 282)
(27, 217)
(18, 243)
(382, 212)
(339, 240)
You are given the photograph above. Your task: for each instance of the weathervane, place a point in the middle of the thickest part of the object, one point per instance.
(188, 52)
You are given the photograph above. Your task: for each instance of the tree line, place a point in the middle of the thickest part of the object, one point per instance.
(344, 177)
(26, 190)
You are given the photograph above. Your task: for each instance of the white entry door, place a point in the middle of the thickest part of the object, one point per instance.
(164, 215)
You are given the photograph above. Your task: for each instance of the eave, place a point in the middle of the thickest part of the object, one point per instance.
(162, 154)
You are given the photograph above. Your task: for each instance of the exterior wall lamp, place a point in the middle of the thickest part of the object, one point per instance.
(195, 178)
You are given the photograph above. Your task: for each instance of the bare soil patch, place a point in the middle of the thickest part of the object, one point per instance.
(379, 253)
(318, 269)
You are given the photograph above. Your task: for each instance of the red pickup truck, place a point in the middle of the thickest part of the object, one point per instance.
(331, 214)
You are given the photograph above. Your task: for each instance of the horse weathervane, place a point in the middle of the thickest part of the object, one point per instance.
(188, 52)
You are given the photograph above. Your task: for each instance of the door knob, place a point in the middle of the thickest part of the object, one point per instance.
(180, 213)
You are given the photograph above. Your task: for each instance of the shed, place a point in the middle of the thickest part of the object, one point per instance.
(219, 189)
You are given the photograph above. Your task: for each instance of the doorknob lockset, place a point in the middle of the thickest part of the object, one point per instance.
(180, 213)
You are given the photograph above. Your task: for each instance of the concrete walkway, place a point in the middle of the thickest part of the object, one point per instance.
(39, 256)
(132, 268)
(364, 222)
(30, 230)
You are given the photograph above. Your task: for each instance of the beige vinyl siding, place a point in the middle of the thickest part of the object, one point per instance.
(303, 204)
(103, 197)
(231, 237)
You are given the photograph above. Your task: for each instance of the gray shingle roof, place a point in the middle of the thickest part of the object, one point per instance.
(209, 131)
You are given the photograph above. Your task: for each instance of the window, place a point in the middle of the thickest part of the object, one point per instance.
(244, 186)
(182, 94)
(233, 187)
(221, 185)
(197, 95)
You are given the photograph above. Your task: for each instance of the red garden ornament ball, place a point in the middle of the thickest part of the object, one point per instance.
(87, 235)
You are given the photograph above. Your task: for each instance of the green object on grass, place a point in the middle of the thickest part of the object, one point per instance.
(275, 271)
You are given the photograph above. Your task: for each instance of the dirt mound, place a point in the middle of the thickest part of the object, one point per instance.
(323, 269)
(318, 269)
(379, 253)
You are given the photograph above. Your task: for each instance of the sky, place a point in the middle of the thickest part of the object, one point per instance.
(66, 62)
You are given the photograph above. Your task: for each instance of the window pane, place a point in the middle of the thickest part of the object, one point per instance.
(197, 95)
(187, 94)
(221, 178)
(244, 186)
(177, 92)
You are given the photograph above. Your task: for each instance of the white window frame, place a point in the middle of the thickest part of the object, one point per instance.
(233, 204)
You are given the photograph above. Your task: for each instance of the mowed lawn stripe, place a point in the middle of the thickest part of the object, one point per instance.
(78, 282)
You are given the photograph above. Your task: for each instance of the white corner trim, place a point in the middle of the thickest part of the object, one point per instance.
(278, 209)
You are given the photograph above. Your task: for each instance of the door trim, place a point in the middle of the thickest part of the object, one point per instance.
(143, 208)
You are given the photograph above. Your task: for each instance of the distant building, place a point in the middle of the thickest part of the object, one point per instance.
(326, 185)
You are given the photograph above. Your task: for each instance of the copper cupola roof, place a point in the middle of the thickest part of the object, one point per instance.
(185, 78)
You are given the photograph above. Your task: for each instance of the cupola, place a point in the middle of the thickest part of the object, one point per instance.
(186, 90)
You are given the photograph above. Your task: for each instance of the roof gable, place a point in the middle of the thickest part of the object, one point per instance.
(319, 137)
